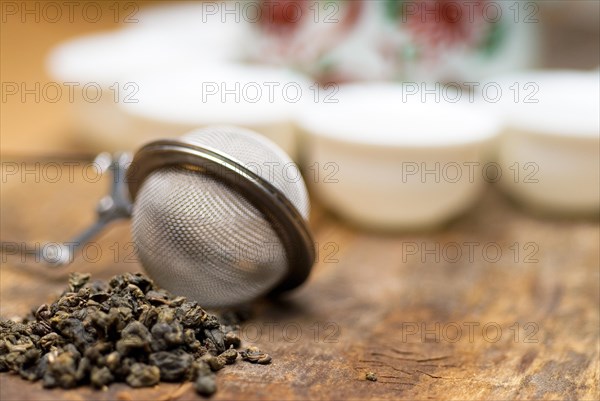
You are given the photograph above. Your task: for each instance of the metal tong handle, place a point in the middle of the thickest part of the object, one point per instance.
(114, 206)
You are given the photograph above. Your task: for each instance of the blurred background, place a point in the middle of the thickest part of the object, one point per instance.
(567, 37)
(101, 76)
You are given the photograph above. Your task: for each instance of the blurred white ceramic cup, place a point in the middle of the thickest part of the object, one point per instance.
(260, 98)
(101, 69)
(550, 149)
(385, 160)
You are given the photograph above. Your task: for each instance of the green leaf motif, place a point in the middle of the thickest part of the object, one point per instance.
(394, 9)
(494, 39)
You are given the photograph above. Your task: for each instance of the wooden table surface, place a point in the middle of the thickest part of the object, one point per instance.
(521, 324)
(480, 325)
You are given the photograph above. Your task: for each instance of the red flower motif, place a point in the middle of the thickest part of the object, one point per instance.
(444, 23)
(282, 17)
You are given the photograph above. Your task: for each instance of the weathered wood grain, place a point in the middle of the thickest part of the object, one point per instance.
(370, 306)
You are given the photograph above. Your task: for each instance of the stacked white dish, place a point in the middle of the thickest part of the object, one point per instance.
(104, 67)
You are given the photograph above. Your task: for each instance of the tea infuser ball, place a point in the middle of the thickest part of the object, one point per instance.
(218, 217)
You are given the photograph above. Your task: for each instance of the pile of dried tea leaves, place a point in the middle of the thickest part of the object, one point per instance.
(126, 330)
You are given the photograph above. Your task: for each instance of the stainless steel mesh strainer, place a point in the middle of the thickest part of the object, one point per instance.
(219, 216)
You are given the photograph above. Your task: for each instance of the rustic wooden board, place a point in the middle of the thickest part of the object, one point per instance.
(369, 306)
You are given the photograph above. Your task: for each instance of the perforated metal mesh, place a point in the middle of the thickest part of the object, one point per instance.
(261, 156)
(199, 238)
